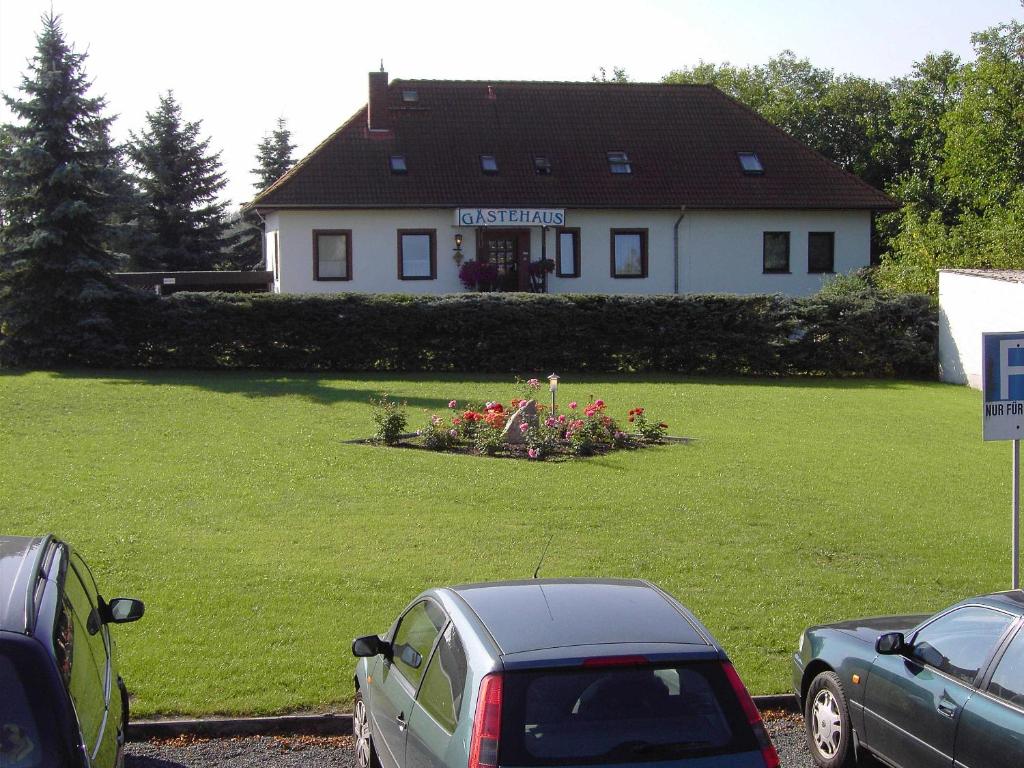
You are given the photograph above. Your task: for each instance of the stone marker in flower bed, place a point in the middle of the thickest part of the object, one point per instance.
(525, 429)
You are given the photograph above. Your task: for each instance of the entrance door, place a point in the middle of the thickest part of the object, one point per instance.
(509, 250)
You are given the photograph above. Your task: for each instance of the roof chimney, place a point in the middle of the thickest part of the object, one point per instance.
(377, 116)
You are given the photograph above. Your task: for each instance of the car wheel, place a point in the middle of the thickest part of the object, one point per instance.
(366, 755)
(827, 722)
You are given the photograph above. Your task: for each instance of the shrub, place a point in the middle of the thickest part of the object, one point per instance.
(437, 435)
(493, 332)
(390, 419)
(644, 429)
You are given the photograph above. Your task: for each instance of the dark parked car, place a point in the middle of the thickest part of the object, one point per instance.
(62, 702)
(551, 673)
(918, 691)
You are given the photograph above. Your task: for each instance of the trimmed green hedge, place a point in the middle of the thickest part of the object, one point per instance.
(713, 334)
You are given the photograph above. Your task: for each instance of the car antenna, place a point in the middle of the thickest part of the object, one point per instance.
(542, 556)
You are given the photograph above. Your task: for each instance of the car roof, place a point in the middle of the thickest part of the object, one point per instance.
(1011, 600)
(537, 614)
(21, 560)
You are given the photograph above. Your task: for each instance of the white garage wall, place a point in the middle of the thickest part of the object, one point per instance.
(719, 251)
(969, 305)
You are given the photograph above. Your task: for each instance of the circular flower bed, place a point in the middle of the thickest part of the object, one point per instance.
(524, 428)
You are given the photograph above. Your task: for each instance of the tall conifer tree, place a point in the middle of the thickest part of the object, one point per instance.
(54, 273)
(183, 224)
(273, 160)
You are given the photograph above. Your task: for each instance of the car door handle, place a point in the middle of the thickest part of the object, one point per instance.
(402, 725)
(947, 710)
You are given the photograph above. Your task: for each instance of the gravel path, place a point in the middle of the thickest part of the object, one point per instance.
(290, 752)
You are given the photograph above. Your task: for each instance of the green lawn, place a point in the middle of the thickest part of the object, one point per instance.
(262, 543)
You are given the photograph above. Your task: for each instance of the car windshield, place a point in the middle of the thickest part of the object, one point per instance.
(621, 714)
(26, 736)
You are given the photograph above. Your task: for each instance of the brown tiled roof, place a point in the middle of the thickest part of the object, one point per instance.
(682, 141)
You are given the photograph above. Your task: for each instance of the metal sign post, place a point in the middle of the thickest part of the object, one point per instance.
(1003, 389)
(1016, 514)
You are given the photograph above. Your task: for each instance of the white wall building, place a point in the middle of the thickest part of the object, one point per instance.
(626, 188)
(972, 302)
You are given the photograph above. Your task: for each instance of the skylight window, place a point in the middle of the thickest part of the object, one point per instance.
(618, 162)
(410, 96)
(488, 164)
(398, 165)
(542, 166)
(750, 163)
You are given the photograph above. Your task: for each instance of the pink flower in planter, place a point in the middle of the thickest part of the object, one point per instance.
(452, 404)
(524, 428)
(453, 432)
(550, 422)
(533, 453)
(561, 418)
(573, 405)
(533, 383)
(599, 403)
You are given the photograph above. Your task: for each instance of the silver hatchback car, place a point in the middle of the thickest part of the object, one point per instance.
(551, 672)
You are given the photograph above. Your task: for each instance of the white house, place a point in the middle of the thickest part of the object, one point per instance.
(626, 188)
(972, 302)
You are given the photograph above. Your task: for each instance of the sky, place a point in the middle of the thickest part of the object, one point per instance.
(237, 67)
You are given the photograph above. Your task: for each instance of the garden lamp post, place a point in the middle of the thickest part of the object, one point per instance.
(553, 386)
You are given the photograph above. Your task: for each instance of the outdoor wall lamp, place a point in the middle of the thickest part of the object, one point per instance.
(553, 386)
(458, 249)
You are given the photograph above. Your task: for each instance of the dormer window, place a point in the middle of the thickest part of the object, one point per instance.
(398, 165)
(750, 163)
(488, 164)
(542, 166)
(618, 162)
(410, 96)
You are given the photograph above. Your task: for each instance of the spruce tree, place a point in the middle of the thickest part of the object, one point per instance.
(55, 277)
(273, 160)
(183, 224)
(273, 156)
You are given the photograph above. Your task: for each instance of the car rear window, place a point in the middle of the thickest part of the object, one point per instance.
(26, 720)
(621, 714)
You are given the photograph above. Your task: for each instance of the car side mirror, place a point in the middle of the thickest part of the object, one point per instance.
(370, 645)
(890, 643)
(121, 610)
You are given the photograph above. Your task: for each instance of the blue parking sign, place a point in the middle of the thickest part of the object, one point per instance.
(1003, 385)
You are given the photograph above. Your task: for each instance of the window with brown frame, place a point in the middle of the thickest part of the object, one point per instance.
(821, 252)
(332, 254)
(629, 252)
(776, 252)
(417, 254)
(567, 252)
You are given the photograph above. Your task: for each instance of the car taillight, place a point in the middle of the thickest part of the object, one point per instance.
(614, 661)
(483, 750)
(771, 757)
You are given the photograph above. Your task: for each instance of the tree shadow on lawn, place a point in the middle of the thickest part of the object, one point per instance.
(314, 387)
(321, 388)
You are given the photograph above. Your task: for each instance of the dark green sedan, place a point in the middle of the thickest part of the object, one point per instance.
(917, 691)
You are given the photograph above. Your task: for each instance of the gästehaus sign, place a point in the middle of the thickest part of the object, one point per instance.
(503, 217)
